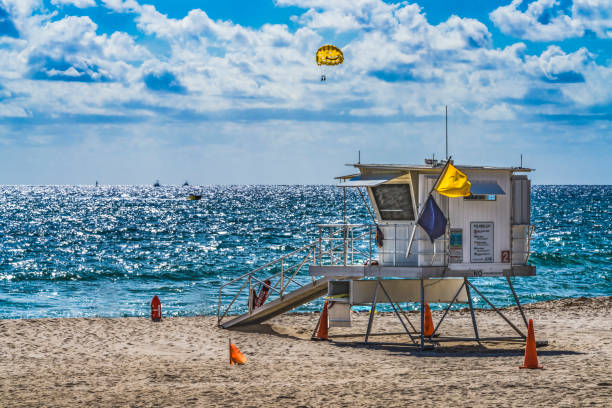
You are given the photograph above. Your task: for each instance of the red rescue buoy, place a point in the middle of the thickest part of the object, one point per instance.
(263, 294)
(156, 313)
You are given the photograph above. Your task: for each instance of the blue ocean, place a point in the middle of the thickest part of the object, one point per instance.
(84, 251)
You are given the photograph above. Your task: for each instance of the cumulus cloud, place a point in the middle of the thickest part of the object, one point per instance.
(343, 15)
(122, 5)
(75, 3)
(70, 49)
(550, 20)
(169, 78)
(12, 111)
(397, 65)
(21, 8)
(7, 27)
(555, 66)
(63, 66)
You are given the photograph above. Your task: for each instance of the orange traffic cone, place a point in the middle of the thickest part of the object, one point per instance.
(429, 326)
(531, 355)
(323, 331)
(235, 356)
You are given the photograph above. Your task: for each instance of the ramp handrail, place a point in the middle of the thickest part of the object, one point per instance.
(283, 278)
(337, 244)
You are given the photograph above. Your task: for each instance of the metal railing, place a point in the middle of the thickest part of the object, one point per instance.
(285, 270)
(355, 244)
(337, 245)
(405, 255)
(346, 244)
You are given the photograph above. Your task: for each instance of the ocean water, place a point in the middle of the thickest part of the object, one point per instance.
(80, 251)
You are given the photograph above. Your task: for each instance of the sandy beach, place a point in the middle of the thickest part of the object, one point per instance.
(183, 362)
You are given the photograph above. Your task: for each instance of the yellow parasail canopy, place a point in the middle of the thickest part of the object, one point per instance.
(329, 55)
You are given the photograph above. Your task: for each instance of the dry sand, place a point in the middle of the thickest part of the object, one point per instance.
(183, 362)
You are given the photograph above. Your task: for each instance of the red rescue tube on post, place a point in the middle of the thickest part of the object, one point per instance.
(156, 310)
(263, 295)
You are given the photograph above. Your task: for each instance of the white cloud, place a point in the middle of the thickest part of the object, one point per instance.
(397, 66)
(596, 16)
(219, 89)
(554, 61)
(545, 20)
(460, 33)
(495, 112)
(76, 3)
(344, 15)
(122, 6)
(64, 67)
(74, 40)
(12, 111)
(21, 8)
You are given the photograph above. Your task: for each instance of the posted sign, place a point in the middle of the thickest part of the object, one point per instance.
(481, 237)
(456, 245)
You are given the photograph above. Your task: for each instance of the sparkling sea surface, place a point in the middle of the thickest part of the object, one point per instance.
(84, 251)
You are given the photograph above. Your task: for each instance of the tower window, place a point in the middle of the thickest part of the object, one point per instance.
(394, 202)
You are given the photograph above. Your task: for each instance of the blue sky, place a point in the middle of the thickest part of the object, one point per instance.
(227, 92)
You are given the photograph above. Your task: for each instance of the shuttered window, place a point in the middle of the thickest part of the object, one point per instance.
(394, 202)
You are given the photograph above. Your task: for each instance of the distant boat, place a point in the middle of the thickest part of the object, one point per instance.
(194, 197)
(96, 183)
(156, 184)
(185, 183)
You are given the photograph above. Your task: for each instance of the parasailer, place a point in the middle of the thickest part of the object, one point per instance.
(328, 55)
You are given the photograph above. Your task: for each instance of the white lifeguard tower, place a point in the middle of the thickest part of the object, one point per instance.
(392, 259)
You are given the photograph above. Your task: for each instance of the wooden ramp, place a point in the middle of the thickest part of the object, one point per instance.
(281, 305)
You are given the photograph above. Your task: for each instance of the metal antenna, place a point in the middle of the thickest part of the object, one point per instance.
(359, 157)
(446, 123)
(521, 160)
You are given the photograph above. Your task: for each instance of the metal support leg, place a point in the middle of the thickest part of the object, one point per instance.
(395, 310)
(372, 311)
(422, 315)
(469, 296)
(406, 316)
(447, 309)
(498, 312)
(517, 301)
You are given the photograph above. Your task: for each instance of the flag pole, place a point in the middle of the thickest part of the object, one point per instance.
(423, 207)
(437, 180)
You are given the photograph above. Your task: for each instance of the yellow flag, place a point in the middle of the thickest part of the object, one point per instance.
(453, 183)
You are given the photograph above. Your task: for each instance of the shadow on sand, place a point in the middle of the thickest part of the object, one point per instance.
(275, 330)
(465, 349)
(498, 348)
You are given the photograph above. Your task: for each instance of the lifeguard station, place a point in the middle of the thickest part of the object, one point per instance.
(393, 260)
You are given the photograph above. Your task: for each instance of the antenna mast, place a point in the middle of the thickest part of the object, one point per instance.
(446, 125)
